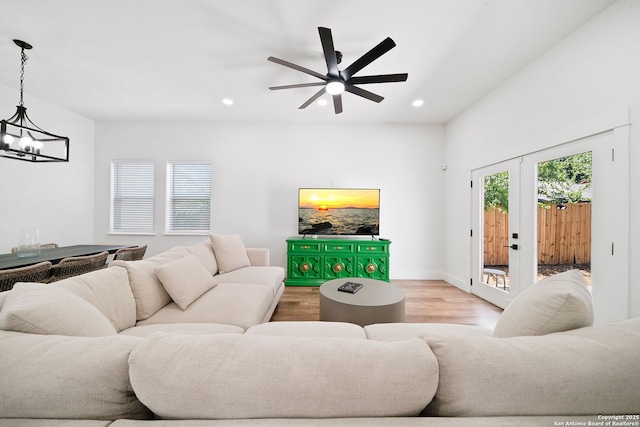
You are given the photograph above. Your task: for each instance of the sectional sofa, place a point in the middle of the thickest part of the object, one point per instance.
(183, 338)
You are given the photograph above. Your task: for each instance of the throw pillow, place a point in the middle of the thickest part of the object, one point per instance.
(147, 289)
(185, 279)
(558, 303)
(42, 309)
(230, 252)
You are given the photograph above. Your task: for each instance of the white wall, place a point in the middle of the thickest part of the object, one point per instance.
(592, 73)
(56, 198)
(257, 170)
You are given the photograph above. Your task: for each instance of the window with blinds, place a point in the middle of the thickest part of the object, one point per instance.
(132, 196)
(188, 197)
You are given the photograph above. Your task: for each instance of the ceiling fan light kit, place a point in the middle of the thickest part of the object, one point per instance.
(336, 81)
(21, 139)
(335, 87)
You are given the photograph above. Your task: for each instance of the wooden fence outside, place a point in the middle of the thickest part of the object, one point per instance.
(564, 235)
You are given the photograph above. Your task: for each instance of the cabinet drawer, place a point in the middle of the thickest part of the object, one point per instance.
(305, 246)
(373, 267)
(304, 267)
(343, 247)
(372, 248)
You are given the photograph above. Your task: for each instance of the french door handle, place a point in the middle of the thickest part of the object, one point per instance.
(514, 247)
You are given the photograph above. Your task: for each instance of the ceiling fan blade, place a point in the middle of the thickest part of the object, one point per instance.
(297, 67)
(364, 93)
(313, 98)
(297, 85)
(337, 103)
(382, 78)
(383, 47)
(329, 52)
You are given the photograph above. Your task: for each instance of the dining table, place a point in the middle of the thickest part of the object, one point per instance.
(55, 255)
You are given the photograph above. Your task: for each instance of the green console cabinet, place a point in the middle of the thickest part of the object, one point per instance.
(311, 262)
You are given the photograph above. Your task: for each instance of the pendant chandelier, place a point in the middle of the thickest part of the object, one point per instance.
(21, 139)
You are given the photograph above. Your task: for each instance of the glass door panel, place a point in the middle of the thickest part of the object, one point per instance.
(495, 236)
(495, 231)
(564, 215)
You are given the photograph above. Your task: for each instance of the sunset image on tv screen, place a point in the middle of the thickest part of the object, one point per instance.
(338, 211)
(322, 198)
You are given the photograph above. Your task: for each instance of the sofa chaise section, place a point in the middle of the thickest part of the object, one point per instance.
(242, 297)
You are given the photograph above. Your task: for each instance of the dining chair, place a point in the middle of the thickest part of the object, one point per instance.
(14, 250)
(130, 254)
(74, 266)
(31, 273)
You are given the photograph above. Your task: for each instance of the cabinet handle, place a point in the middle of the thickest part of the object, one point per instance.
(371, 268)
(305, 267)
(305, 247)
(339, 248)
(372, 248)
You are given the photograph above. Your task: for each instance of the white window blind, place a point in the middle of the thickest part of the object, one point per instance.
(188, 197)
(132, 196)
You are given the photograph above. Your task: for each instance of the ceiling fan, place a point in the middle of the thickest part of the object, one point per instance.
(335, 81)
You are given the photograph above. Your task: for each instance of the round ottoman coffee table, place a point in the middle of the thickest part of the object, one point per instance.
(376, 302)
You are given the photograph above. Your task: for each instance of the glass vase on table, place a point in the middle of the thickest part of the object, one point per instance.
(29, 243)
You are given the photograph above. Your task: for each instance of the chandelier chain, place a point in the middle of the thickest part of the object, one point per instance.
(24, 58)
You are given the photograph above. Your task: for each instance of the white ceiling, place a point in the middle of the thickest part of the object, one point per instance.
(177, 59)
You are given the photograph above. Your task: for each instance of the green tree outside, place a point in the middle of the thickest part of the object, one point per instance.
(496, 192)
(560, 181)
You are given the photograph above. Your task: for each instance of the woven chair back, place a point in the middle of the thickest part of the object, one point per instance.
(130, 254)
(31, 273)
(74, 266)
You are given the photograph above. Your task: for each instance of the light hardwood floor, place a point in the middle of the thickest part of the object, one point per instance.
(432, 301)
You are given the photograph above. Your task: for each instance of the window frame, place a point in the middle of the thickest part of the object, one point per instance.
(116, 188)
(171, 197)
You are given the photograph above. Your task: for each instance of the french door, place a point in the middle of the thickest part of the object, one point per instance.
(507, 200)
(496, 234)
(606, 222)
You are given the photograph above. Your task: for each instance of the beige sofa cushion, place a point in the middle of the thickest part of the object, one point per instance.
(259, 256)
(568, 373)
(238, 304)
(271, 276)
(230, 252)
(185, 279)
(204, 252)
(308, 329)
(183, 329)
(62, 377)
(149, 294)
(252, 376)
(405, 331)
(45, 422)
(36, 308)
(3, 296)
(558, 303)
(108, 290)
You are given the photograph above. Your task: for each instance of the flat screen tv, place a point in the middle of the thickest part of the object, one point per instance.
(339, 211)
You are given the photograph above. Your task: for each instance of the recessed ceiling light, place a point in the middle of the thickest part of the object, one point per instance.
(322, 102)
(227, 101)
(418, 103)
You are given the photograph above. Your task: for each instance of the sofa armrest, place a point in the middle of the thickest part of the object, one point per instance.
(258, 256)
